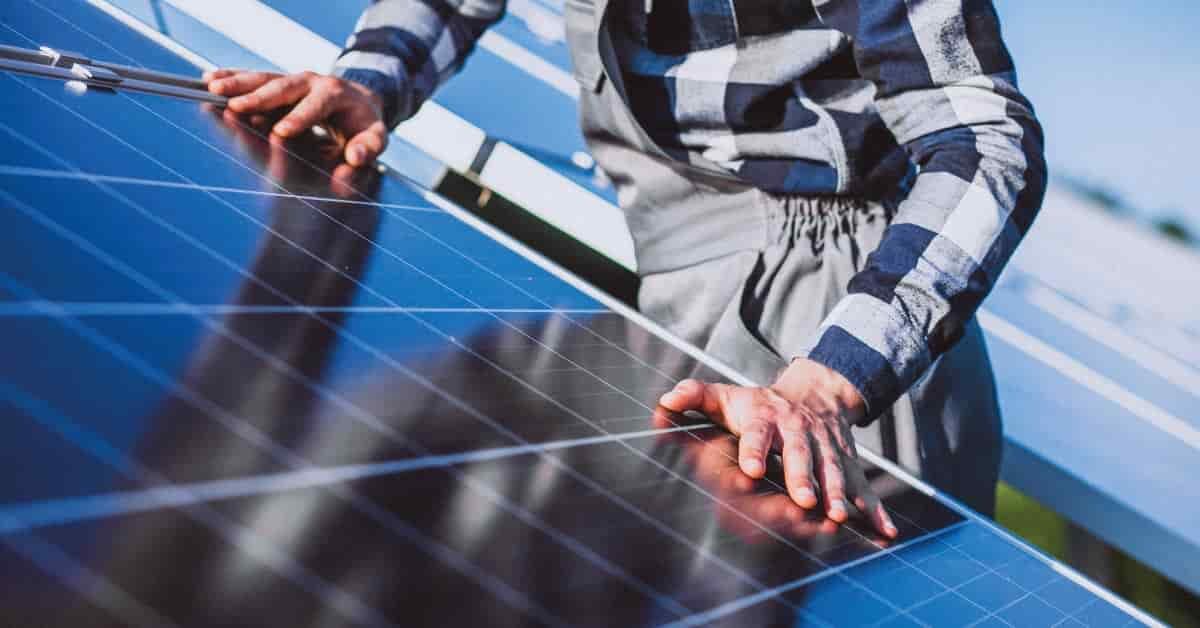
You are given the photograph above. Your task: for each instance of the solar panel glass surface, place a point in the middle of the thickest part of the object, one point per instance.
(242, 385)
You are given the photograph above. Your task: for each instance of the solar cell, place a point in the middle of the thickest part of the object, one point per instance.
(242, 386)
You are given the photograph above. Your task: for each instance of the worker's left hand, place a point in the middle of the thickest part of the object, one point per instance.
(278, 159)
(351, 110)
(806, 415)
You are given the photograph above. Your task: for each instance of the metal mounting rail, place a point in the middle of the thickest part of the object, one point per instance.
(72, 66)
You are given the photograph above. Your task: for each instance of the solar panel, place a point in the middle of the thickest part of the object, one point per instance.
(244, 386)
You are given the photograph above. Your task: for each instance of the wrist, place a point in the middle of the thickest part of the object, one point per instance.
(380, 91)
(370, 95)
(376, 102)
(803, 378)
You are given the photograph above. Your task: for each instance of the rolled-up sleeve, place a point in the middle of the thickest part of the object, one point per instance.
(405, 49)
(947, 89)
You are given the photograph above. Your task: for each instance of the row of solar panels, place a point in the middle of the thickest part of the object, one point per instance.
(244, 384)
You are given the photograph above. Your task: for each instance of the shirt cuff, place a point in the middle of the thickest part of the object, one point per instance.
(383, 85)
(874, 347)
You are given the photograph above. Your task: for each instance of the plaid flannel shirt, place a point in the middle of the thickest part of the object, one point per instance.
(850, 97)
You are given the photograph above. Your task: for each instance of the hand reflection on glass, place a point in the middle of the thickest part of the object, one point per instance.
(346, 108)
(303, 164)
(752, 508)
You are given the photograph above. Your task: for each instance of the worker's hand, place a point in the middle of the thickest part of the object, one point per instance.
(806, 415)
(348, 108)
(277, 158)
(742, 507)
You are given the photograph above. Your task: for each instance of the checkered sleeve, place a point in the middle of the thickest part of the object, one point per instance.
(947, 89)
(405, 49)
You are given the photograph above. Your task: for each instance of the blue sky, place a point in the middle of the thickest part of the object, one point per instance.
(1118, 90)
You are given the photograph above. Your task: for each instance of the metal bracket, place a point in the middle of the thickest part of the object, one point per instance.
(96, 75)
(64, 58)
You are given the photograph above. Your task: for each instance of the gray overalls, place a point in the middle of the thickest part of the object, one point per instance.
(745, 274)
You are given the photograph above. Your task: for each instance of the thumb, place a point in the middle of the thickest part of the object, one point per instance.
(691, 394)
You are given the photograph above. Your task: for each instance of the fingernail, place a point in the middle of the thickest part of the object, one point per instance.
(837, 505)
(358, 154)
(283, 128)
(750, 465)
(806, 494)
(890, 529)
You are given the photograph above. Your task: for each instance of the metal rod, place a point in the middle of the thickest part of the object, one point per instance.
(139, 85)
(24, 54)
(142, 74)
(47, 56)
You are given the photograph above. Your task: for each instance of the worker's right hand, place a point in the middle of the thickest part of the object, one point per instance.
(805, 415)
(349, 108)
(740, 504)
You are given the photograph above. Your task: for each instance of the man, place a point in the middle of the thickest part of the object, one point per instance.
(821, 193)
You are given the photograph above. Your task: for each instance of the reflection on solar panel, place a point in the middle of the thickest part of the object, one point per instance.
(242, 385)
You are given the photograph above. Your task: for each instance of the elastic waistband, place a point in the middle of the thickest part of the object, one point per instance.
(817, 218)
(697, 228)
(709, 227)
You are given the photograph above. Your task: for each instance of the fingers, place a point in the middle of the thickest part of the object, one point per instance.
(352, 109)
(691, 394)
(221, 73)
(279, 161)
(344, 181)
(753, 447)
(686, 395)
(742, 413)
(868, 502)
(662, 418)
(314, 108)
(275, 93)
(240, 83)
(363, 148)
(797, 467)
(831, 475)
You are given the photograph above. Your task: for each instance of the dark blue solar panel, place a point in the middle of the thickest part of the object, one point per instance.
(80, 28)
(238, 392)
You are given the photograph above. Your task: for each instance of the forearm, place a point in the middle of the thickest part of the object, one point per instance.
(946, 88)
(404, 49)
(981, 182)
